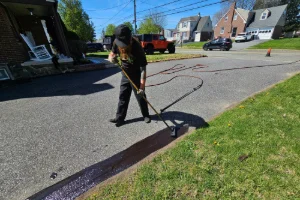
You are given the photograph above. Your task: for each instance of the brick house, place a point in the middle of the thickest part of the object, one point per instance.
(38, 20)
(233, 22)
(263, 24)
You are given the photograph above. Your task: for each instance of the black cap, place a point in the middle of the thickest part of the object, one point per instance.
(123, 35)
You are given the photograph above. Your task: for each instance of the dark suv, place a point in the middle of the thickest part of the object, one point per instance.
(220, 43)
(94, 47)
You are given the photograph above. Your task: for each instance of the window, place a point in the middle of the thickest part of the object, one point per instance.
(207, 24)
(161, 37)
(265, 15)
(226, 18)
(222, 30)
(235, 17)
(184, 24)
(3, 74)
(155, 37)
(184, 34)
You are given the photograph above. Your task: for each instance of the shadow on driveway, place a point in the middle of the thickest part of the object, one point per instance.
(177, 118)
(82, 83)
(82, 181)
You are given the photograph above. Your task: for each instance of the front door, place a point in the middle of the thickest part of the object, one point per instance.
(234, 29)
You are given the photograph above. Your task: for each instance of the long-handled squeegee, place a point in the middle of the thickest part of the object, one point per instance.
(174, 128)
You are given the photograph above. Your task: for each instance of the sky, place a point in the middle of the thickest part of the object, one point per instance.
(104, 12)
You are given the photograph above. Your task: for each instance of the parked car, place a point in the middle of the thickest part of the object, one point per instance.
(243, 37)
(220, 43)
(155, 42)
(94, 47)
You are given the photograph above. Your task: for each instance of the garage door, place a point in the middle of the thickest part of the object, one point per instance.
(197, 37)
(265, 34)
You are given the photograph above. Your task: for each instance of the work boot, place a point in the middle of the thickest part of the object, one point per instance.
(147, 119)
(118, 122)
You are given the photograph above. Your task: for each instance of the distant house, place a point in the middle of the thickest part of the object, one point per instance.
(169, 34)
(263, 24)
(268, 23)
(203, 31)
(190, 28)
(233, 22)
(185, 28)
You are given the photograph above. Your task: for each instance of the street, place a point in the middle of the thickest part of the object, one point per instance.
(60, 123)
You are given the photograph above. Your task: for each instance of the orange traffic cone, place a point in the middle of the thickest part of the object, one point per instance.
(269, 52)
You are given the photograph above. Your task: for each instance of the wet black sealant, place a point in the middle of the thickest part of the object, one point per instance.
(82, 181)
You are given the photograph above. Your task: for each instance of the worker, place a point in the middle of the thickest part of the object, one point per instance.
(134, 63)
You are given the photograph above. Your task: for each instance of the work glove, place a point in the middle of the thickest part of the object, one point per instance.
(141, 92)
(113, 58)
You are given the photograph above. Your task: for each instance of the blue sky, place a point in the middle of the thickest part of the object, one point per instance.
(101, 14)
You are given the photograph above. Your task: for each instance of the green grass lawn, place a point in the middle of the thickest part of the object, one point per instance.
(155, 57)
(286, 43)
(193, 45)
(206, 165)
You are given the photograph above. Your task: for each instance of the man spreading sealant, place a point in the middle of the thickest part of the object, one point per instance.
(134, 63)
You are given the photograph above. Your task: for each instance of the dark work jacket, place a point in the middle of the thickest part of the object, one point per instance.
(139, 59)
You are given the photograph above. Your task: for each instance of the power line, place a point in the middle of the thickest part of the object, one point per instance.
(183, 6)
(160, 6)
(192, 8)
(117, 13)
(164, 5)
(206, 5)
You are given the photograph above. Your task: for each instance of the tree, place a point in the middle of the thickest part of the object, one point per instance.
(102, 34)
(218, 15)
(129, 25)
(292, 15)
(261, 4)
(158, 18)
(148, 26)
(76, 19)
(244, 4)
(110, 29)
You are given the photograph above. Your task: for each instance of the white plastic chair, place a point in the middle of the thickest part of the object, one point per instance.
(40, 52)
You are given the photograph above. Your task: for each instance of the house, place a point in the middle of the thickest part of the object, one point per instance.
(27, 29)
(263, 24)
(204, 30)
(233, 22)
(186, 27)
(169, 34)
(268, 23)
(190, 27)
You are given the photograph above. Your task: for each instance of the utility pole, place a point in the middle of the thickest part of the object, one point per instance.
(134, 1)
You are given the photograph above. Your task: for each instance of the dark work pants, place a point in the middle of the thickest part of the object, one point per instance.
(124, 98)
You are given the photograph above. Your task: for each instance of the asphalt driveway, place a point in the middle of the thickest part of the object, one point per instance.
(60, 123)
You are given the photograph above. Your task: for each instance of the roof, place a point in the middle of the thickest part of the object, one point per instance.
(272, 21)
(171, 29)
(192, 18)
(243, 13)
(202, 23)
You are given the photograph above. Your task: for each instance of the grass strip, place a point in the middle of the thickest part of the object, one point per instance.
(249, 152)
(286, 43)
